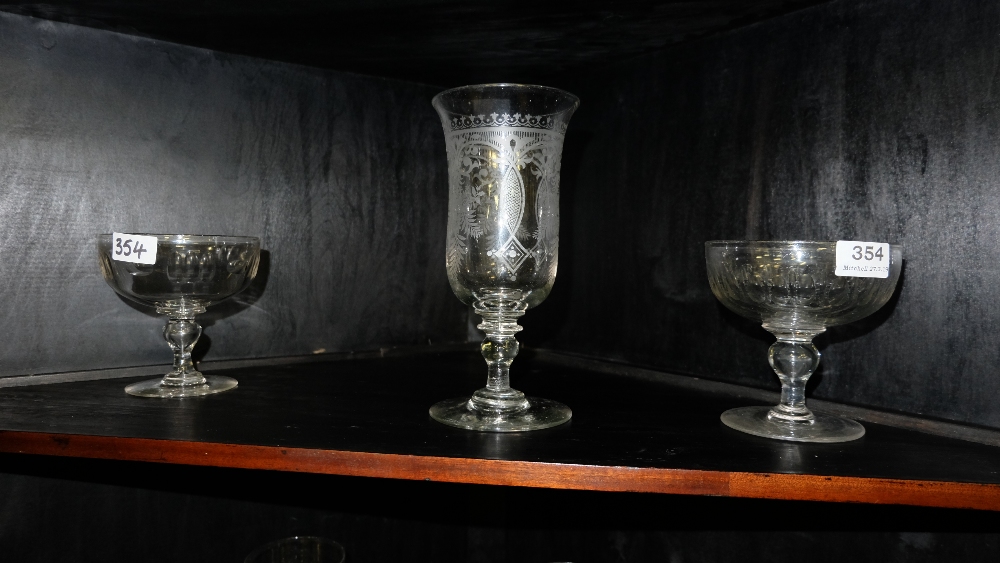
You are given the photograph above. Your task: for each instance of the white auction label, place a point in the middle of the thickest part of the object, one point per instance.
(862, 259)
(133, 248)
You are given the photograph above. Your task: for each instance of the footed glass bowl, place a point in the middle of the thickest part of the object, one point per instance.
(792, 289)
(191, 272)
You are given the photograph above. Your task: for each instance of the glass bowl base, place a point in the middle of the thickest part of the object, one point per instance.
(541, 413)
(155, 388)
(753, 420)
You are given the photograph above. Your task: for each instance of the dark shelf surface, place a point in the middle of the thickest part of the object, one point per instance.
(368, 417)
(432, 41)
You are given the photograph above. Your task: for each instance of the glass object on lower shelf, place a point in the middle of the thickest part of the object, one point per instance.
(299, 549)
(504, 145)
(792, 288)
(190, 273)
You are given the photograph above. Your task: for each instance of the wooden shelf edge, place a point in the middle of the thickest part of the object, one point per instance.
(942, 494)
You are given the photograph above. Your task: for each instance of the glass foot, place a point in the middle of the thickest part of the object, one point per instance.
(541, 413)
(753, 420)
(155, 388)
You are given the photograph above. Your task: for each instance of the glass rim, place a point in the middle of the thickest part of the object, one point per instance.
(574, 99)
(180, 237)
(775, 243)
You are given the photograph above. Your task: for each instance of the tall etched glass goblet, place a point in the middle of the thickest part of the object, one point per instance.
(190, 273)
(792, 288)
(504, 144)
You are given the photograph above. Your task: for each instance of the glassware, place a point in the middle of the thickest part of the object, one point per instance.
(191, 272)
(504, 144)
(792, 289)
(299, 549)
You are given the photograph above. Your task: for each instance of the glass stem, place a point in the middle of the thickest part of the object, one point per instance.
(499, 349)
(182, 333)
(794, 358)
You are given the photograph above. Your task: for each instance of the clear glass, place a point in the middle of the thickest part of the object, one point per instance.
(791, 288)
(300, 549)
(504, 144)
(191, 273)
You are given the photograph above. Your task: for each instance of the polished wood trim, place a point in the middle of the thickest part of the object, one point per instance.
(869, 490)
(511, 473)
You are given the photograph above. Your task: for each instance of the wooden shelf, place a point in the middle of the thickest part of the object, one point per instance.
(369, 418)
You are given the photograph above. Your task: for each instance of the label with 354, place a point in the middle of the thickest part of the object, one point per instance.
(862, 259)
(139, 249)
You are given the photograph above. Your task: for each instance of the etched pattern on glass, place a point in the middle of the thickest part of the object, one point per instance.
(505, 191)
(504, 145)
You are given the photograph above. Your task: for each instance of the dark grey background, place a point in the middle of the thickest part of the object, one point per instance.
(852, 120)
(341, 176)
